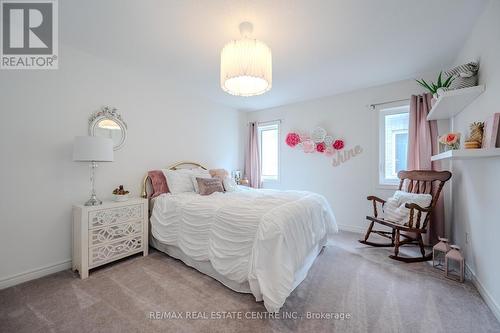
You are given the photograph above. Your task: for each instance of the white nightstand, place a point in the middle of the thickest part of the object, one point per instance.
(113, 230)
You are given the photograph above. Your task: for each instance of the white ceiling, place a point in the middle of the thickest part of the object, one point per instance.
(320, 47)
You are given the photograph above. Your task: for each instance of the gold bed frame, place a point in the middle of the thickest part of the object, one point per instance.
(174, 166)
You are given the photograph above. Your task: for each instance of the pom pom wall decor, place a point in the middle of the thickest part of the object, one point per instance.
(338, 144)
(292, 139)
(304, 136)
(318, 135)
(318, 142)
(308, 146)
(328, 140)
(320, 147)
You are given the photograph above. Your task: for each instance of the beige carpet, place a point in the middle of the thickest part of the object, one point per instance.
(375, 293)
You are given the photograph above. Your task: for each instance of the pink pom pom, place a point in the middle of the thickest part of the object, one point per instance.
(320, 147)
(292, 139)
(308, 146)
(338, 144)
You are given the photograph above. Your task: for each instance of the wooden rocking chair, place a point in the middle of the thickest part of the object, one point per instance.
(417, 181)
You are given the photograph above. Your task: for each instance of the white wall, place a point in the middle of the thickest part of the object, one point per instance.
(346, 116)
(42, 111)
(476, 183)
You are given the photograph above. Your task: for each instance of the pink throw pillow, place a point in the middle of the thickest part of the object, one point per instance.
(219, 173)
(208, 186)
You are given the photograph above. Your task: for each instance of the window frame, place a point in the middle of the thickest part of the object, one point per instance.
(393, 148)
(382, 113)
(261, 126)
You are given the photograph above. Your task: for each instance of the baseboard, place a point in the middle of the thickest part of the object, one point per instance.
(34, 274)
(495, 308)
(352, 228)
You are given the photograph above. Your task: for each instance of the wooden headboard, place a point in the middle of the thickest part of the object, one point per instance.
(175, 166)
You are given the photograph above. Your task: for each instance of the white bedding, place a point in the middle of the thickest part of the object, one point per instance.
(259, 236)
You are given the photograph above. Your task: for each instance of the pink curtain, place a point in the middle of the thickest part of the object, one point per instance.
(252, 158)
(422, 144)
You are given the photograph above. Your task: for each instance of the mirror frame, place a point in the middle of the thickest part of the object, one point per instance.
(110, 113)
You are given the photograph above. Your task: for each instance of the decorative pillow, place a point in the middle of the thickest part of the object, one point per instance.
(229, 184)
(395, 209)
(208, 186)
(179, 181)
(392, 211)
(219, 173)
(158, 181)
(201, 173)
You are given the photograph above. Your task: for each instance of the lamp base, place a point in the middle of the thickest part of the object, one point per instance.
(93, 201)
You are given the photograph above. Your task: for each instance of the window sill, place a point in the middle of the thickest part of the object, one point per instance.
(388, 186)
(270, 181)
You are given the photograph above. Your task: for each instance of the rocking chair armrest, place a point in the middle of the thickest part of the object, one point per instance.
(417, 207)
(416, 224)
(374, 200)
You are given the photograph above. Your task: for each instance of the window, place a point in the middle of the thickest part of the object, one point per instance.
(393, 143)
(269, 151)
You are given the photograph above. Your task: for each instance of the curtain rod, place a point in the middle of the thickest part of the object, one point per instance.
(372, 106)
(270, 121)
(267, 121)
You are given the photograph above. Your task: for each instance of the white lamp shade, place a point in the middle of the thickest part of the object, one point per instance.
(93, 149)
(246, 67)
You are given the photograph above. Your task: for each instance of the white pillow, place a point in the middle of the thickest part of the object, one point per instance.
(395, 210)
(229, 184)
(179, 181)
(423, 200)
(392, 211)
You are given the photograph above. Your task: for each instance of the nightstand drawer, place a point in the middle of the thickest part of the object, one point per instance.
(101, 254)
(105, 217)
(114, 232)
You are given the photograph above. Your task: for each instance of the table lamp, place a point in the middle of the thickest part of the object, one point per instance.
(92, 149)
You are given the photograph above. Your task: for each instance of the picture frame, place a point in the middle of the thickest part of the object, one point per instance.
(236, 175)
(491, 137)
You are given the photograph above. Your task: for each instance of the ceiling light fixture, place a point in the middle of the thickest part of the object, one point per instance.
(246, 65)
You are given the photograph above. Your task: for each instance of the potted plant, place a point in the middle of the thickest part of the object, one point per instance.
(436, 88)
(451, 141)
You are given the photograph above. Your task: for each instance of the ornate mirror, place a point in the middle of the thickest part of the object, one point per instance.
(108, 123)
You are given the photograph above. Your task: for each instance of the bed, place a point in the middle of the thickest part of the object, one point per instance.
(257, 241)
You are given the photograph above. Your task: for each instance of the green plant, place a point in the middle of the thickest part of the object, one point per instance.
(433, 87)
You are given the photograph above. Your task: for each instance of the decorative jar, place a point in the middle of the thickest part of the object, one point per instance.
(439, 252)
(454, 264)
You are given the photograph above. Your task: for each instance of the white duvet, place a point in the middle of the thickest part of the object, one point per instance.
(260, 236)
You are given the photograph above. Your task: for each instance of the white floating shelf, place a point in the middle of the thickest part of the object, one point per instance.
(452, 102)
(464, 154)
